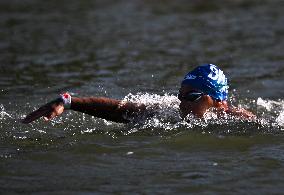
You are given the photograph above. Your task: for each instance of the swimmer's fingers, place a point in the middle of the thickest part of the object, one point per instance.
(56, 111)
(251, 116)
(45, 110)
(247, 114)
(240, 112)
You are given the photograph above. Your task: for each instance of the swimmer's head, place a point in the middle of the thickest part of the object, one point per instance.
(203, 88)
(208, 79)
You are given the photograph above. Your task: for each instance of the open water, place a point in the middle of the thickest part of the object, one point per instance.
(140, 50)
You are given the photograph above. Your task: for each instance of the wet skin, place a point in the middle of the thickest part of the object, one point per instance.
(200, 106)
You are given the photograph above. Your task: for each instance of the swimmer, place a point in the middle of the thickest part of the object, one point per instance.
(202, 90)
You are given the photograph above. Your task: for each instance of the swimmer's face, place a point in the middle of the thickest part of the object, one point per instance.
(197, 107)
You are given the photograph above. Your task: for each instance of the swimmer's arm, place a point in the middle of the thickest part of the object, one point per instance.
(240, 112)
(106, 108)
(101, 107)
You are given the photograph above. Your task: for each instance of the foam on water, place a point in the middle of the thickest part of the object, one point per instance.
(3, 113)
(271, 112)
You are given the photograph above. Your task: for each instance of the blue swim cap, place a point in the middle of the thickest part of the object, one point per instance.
(210, 80)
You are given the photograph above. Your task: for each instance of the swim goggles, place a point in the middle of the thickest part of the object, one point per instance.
(191, 96)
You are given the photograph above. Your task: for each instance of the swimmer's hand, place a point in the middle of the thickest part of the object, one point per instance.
(48, 111)
(241, 112)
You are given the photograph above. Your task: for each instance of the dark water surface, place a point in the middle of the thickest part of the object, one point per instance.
(140, 50)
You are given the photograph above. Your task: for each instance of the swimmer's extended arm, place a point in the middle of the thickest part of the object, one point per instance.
(106, 108)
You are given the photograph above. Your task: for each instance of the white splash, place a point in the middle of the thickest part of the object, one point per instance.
(162, 101)
(269, 105)
(280, 119)
(272, 110)
(3, 113)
